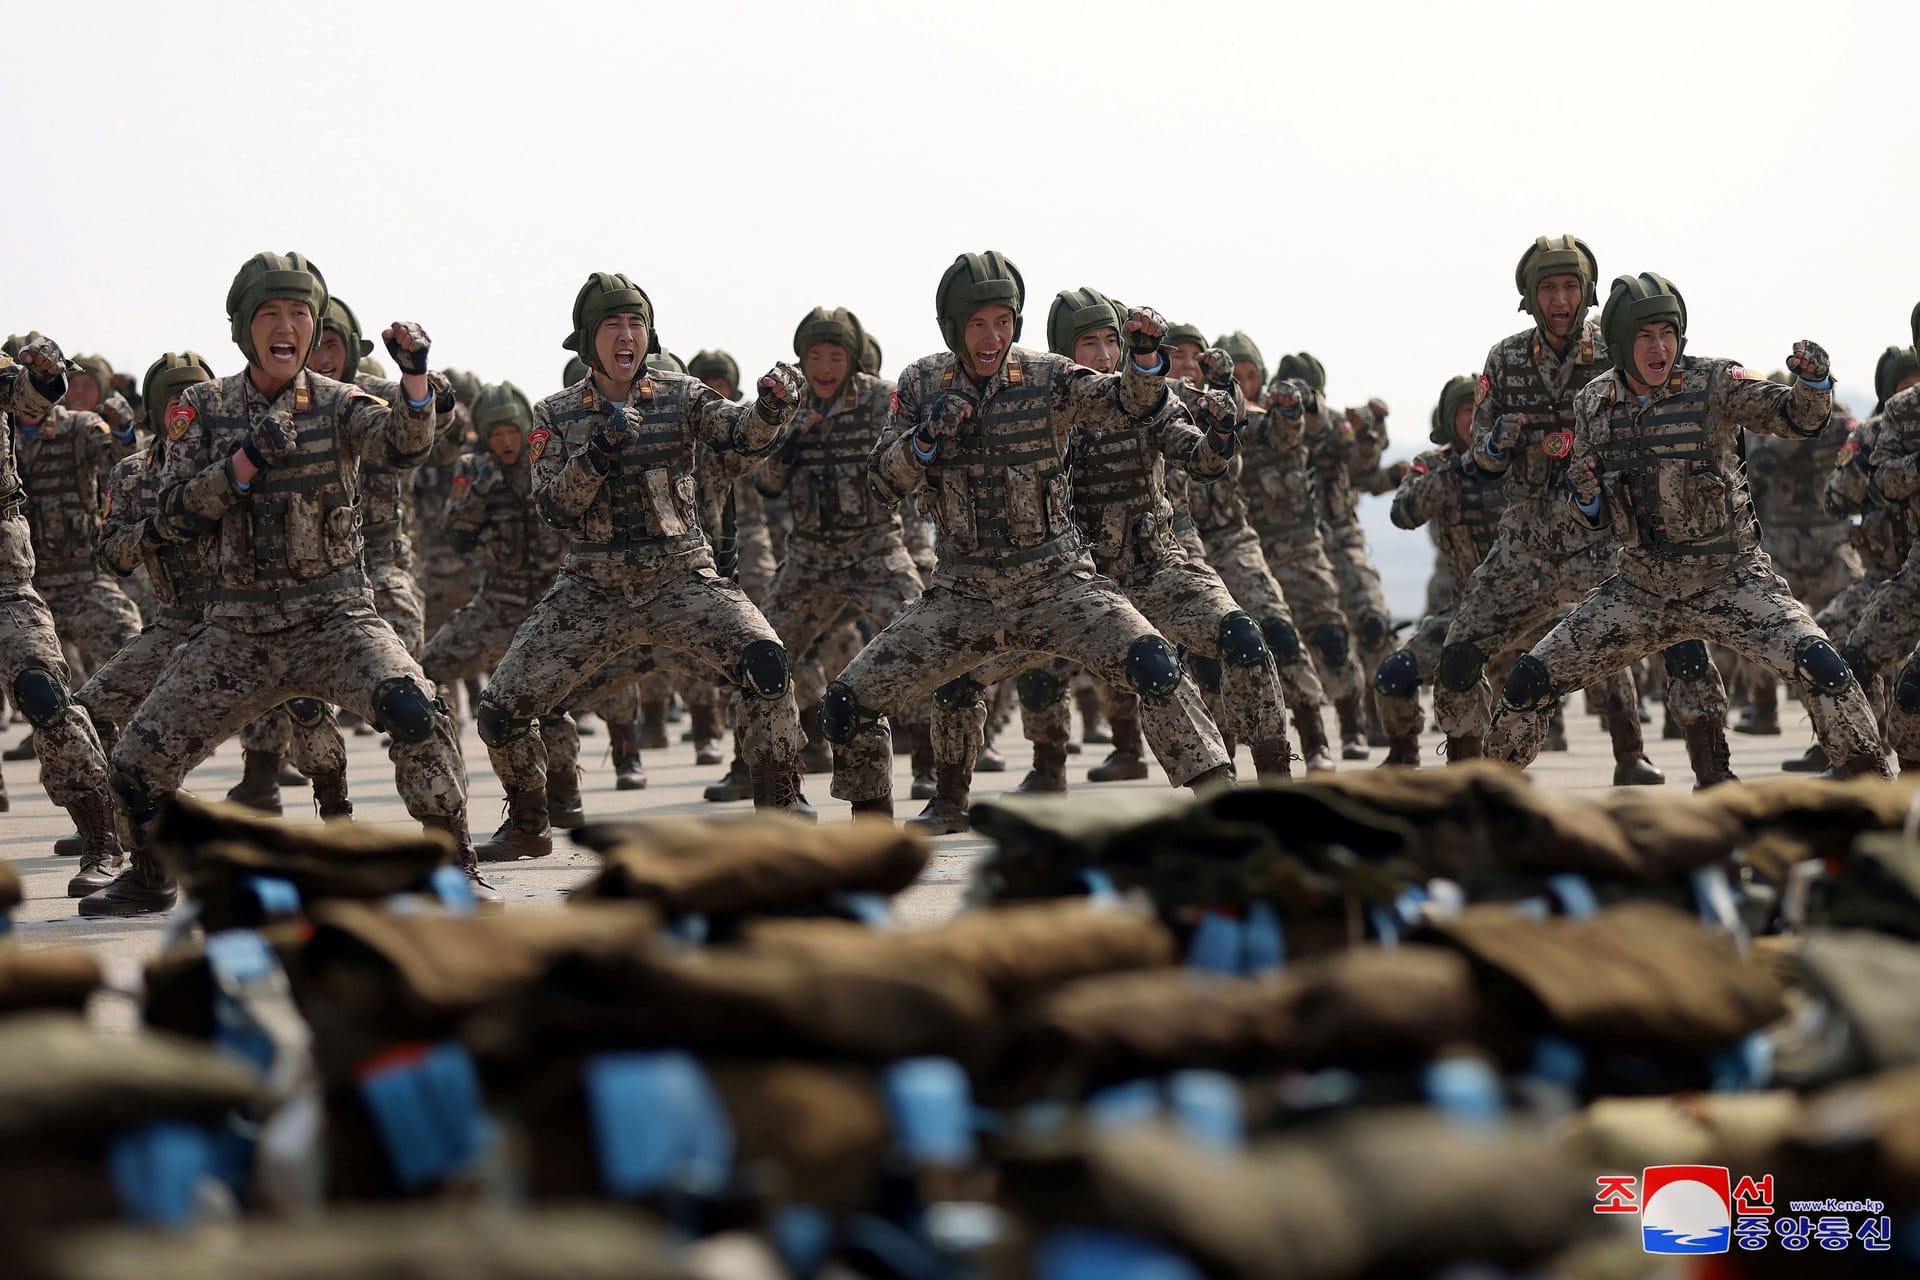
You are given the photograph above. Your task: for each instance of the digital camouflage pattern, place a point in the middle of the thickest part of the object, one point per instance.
(66, 463)
(1810, 547)
(1881, 537)
(1885, 634)
(386, 510)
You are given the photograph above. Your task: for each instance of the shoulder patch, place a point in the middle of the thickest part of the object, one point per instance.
(893, 402)
(1848, 449)
(1482, 389)
(1738, 372)
(460, 485)
(537, 443)
(1557, 444)
(180, 420)
(1420, 467)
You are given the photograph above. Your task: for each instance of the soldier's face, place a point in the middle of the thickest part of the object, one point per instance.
(504, 440)
(1654, 350)
(1098, 350)
(329, 358)
(1247, 374)
(1463, 422)
(83, 392)
(826, 368)
(282, 336)
(989, 336)
(1558, 298)
(721, 385)
(621, 344)
(1183, 361)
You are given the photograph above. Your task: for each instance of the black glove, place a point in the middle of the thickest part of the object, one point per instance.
(1216, 366)
(1809, 361)
(1144, 328)
(411, 358)
(779, 392)
(272, 439)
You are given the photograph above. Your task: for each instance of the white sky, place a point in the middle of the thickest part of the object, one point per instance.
(1354, 178)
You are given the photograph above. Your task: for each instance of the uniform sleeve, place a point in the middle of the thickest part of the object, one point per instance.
(892, 468)
(195, 488)
(19, 394)
(1583, 407)
(1894, 464)
(101, 453)
(565, 481)
(728, 426)
(1202, 454)
(1087, 399)
(1485, 410)
(753, 542)
(1796, 411)
(396, 434)
(123, 530)
(1427, 490)
(466, 510)
(1849, 485)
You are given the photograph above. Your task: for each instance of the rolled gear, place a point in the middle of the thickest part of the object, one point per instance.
(266, 276)
(977, 280)
(1552, 256)
(1076, 313)
(606, 293)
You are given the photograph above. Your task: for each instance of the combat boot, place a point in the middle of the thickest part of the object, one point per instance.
(1762, 716)
(1353, 738)
(102, 857)
(946, 813)
(707, 748)
(141, 890)
(653, 725)
(1670, 730)
(1093, 717)
(1403, 749)
(486, 898)
(1557, 729)
(259, 785)
(5, 804)
(1127, 761)
(989, 760)
(1631, 768)
(1869, 766)
(778, 789)
(1465, 747)
(290, 775)
(921, 754)
(1220, 773)
(564, 809)
(1049, 772)
(1314, 750)
(524, 834)
(623, 740)
(817, 755)
(1709, 754)
(21, 750)
(70, 846)
(1376, 728)
(882, 808)
(1273, 759)
(330, 799)
(1814, 761)
(737, 785)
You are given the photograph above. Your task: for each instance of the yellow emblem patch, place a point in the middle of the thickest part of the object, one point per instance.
(180, 420)
(537, 444)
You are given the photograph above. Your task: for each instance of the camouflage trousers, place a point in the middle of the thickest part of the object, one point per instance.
(810, 601)
(1884, 633)
(1749, 609)
(578, 626)
(1403, 717)
(1300, 565)
(94, 618)
(1817, 571)
(397, 598)
(1236, 556)
(1839, 618)
(72, 765)
(219, 679)
(1362, 597)
(953, 630)
(1514, 591)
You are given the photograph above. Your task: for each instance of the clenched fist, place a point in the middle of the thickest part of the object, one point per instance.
(1809, 361)
(1583, 479)
(1216, 366)
(1143, 329)
(1507, 430)
(780, 389)
(408, 344)
(945, 416)
(272, 438)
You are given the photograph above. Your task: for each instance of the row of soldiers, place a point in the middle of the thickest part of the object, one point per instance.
(1155, 511)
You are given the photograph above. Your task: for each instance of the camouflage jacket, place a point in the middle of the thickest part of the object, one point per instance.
(1279, 481)
(1788, 479)
(643, 515)
(1346, 464)
(65, 465)
(1884, 532)
(1674, 492)
(1893, 462)
(490, 508)
(823, 468)
(1122, 493)
(286, 549)
(19, 397)
(1461, 504)
(1524, 376)
(386, 496)
(177, 571)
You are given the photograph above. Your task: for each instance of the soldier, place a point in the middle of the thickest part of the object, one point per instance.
(613, 459)
(1545, 556)
(1886, 630)
(983, 427)
(262, 474)
(72, 767)
(1655, 460)
(446, 578)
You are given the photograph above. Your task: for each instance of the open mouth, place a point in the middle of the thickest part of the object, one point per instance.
(281, 351)
(1658, 368)
(625, 359)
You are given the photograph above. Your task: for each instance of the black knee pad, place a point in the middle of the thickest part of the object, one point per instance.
(496, 727)
(133, 793)
(1331, 639)
(1374, 630)
(1240, 640)
(763, 668)
(842, 718)
(1461, 665)
(1821, 666)
(1151, 668)
(402, 710)
(1906, 689)
(1529, 688)
(1858, 662)
(41, 696)
(1283, 642)
(306, 712)
(957, 694)
(1039, 688)
(1206, 673)
(1687, 660)
(1398, 676)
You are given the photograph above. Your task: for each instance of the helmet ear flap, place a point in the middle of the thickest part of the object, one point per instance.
(1593, 269)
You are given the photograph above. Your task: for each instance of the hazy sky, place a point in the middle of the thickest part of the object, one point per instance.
(1357, 179)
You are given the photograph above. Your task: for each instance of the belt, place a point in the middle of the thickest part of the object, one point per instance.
(353, 578)
(1067, 544)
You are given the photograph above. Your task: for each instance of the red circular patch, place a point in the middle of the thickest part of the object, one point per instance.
(1557, 444)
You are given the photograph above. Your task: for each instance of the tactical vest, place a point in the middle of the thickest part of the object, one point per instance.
(1684, 499)
(827, 489)
(1279, 487)
(176, 570)
(59, 469)
(1539, 461)
(1788, 479)
(1479, 499)
(1120, 498)
(1218, 505)
(523, 552)
(297, 535)
(998, 490)
(648, 502)
(383, 492)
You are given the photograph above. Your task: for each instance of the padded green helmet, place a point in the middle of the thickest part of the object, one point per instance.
(716, 364)
(977, 280)
(1238, 345)
(167, 377)
(341, 320)
(98, 368)
(604, 294)
(466, 386)
(1180, 334)
(1894, 364)
(1459, 390)
(1303, 367)
(1076, 313)
(1632, 302)
(831, 324)
(371, 366)
(1552, 256)
(273, 275)
(500, 403)
(666, 362)
(576, 371)
(870, 357)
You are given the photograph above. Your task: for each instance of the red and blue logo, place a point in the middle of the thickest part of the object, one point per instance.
(1686, 1208)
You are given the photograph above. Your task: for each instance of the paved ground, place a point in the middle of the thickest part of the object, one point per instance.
(48, 919)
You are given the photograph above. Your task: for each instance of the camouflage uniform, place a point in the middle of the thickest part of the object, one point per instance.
(385, 516)
(289, 608)
(1881, 539)
(1544, 556)
(1347, 463)
(1885, 633)
(1013, 574)
(1675, 497)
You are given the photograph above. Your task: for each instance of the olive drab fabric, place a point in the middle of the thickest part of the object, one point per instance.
(1241, 347)
(166, 377)
(976, 280)
(1076, 312)
(715, 364)
(1457, 392)
(605, 294)
(1556, 255)
(1635, 301)
(341, 320)
(273, 275)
